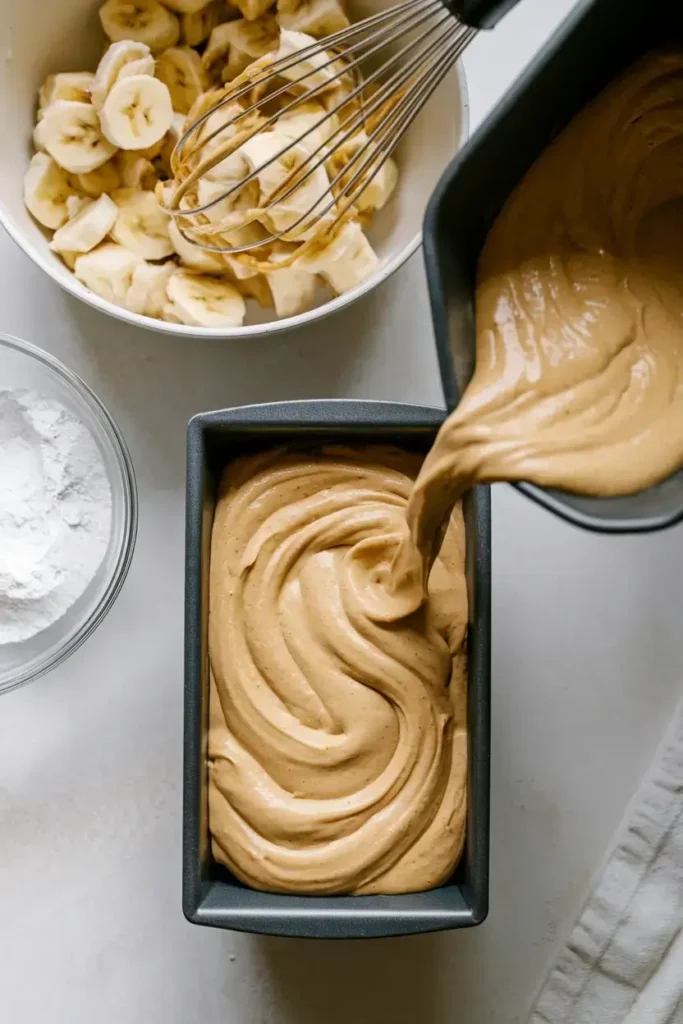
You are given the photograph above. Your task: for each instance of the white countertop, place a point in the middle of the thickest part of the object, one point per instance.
(587, 667)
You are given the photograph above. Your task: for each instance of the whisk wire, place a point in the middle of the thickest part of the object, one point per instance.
(402, 84)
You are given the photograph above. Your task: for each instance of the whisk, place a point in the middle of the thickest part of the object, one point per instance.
(389, 64)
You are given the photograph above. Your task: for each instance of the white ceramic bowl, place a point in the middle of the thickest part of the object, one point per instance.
(39, 37)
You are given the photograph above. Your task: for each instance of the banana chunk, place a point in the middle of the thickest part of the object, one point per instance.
(234, 45)
(313, 71)
(293, 289)
(103, 179)
(379, 189)
(147, 293)
(69, 85)
(136, 171)
(310, 125)
(70, 132)
(273, 157)
(87, 227)
(318, 18)
(46, 191)
(128, 57)
(201, 301)
(252, 9)
(186, 6)
(346, 261)
(141, 226)
(180, 69)
(107, 271)
(162, 161)
(137, 112)
(192, 255)
(197, 27)
(144, 21)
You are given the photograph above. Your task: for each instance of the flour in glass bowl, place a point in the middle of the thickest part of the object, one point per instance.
(55, 512)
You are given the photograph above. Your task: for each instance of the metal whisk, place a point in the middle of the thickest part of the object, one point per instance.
(390, 63)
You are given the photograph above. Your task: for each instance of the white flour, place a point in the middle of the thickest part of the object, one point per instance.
(55, 512)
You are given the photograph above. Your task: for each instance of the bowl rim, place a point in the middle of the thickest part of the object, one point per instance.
(130, 512)
(73, 286)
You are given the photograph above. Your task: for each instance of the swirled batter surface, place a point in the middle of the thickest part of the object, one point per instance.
(337, 745)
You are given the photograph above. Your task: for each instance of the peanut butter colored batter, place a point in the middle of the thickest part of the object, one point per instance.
(337, 749)
(579, 313)
(337, 745)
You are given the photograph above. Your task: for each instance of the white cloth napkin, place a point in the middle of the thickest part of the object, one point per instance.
(623, 963)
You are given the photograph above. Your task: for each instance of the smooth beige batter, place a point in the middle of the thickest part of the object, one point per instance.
(337, 749)
(337, 742)
(579, 313)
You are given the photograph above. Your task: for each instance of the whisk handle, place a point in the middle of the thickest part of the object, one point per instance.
(479, 13)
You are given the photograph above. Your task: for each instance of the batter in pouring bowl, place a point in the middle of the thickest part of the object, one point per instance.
(337, 747)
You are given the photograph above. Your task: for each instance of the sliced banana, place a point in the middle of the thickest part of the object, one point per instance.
(186, 6)
(300, 215)
(103, 179)
(313, 71)
(69, 85)
(141, 225)
(196, 28)
(252, 9)
(69, 258)
(180, 69)
(192, 255)
(235, 210)
(247, 234)
(107, 271)
(346, 261)
(70, 132)
(256, 287)
(87, 227)
(144, 21)
(128, 55)
(310, 125)
(233, 46)
(293, 289)
(75, 204)
(216, 53)
(46, 191)
(318, 18)
(377, 192)
(169, 142)
(136, 171)
(137, 112)
(202, 301)
(147, 292)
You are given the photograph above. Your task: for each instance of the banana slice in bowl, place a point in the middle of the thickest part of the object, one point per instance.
(143, 21)
(141, 225)
(201, 301)
(71, 133)
(105, 136)
(126, 54)
(137, 112)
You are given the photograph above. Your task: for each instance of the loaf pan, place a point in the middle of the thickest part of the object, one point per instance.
(211, 896)
(592, 47)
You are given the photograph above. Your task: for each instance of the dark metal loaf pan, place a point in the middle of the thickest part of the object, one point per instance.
(597, 41)
(210, 895)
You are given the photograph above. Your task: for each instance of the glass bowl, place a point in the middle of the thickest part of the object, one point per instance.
(24, 366)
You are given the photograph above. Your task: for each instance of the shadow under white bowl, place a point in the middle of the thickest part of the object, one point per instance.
(38, 39)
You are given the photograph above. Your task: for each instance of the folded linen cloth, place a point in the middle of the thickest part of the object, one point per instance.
(623, 963)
